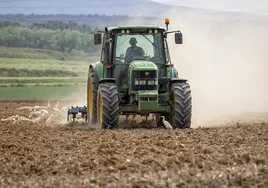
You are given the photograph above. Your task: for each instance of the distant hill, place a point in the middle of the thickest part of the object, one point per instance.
(107, 7)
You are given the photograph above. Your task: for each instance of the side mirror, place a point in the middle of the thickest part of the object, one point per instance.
(97, 38)
(178, 38)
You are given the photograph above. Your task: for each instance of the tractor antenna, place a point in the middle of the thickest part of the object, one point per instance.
(167, 22)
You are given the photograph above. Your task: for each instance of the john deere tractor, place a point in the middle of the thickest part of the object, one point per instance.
(135, 76)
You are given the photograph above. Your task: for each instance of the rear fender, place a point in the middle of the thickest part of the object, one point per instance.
(178, 80)
(97, 69)
(173, 72)
(107, 80)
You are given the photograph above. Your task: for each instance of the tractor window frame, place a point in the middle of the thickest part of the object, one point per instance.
(103, 56)
(167, 54)
(162, 45)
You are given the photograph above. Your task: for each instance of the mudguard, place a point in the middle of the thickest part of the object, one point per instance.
(107, 80)
(177, 80)
(173, 72)
(97, 69)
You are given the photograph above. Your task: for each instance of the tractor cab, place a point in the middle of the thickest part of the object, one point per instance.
(131, 44)
(136, 61)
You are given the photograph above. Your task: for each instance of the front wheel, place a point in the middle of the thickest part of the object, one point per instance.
(181, 105)
(108, 106)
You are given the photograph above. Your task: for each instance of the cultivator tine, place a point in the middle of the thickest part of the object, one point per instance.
(49, 119)
(64, 108)
(57, 105)
(56, 109)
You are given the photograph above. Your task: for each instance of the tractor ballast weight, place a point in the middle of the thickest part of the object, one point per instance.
(135, 76)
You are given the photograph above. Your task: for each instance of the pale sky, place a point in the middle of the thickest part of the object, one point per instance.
(258, 6)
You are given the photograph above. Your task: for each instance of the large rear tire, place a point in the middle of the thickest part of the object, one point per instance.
(108, 106)
(92, 93)
(181, 105)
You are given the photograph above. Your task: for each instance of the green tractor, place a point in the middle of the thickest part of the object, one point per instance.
(135, 76)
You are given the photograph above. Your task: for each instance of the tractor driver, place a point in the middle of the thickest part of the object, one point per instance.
(134, 51)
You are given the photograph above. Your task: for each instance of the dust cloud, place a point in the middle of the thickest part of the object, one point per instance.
(226, 63)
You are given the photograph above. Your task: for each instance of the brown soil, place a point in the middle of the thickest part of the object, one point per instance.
(77, 156)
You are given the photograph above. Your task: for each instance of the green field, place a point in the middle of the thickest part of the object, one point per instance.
(44, 64)
(41, 78)
(29, 53)
(42, 74)
(22, 80)
(40, 93)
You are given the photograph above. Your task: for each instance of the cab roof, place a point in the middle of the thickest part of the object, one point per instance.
(136, 27)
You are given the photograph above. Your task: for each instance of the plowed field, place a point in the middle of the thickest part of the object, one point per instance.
(77, 156)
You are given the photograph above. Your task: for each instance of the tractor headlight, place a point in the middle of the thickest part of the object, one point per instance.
(136, 82)
(151, 82)
(142, 82)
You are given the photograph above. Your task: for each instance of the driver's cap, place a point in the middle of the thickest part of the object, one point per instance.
(133, 39)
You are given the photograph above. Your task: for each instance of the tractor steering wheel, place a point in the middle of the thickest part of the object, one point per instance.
(118, 60)
(139, 58)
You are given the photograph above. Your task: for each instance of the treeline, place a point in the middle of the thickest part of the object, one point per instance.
(51, 24)
(51, 35)
(9, 23)
(54, 25)
(21, 17)
(94, 20)
(35, 73)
